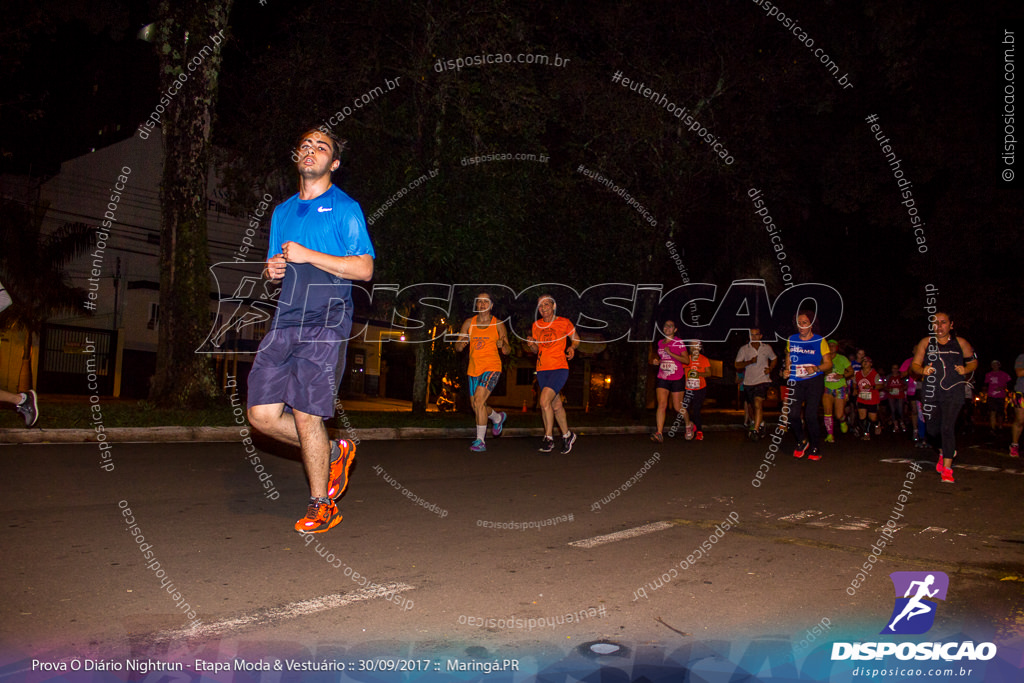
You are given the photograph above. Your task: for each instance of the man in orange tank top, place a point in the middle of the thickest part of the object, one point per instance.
(484, 336)
(548, 340)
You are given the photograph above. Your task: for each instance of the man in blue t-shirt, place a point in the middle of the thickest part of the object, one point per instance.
(318, 245)
(807, 361)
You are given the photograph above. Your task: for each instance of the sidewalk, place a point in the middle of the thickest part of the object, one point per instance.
(212, 434)
(235, 433)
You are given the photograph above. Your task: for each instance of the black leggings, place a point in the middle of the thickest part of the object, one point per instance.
(940, 423)
(807, 393)
(692, 401)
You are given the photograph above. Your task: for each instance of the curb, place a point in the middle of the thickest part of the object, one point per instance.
(229, 434)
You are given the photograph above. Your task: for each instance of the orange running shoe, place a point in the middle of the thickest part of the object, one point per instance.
(320, 516)
(337, 479)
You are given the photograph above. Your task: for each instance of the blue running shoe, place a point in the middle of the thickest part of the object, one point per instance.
(498, 426)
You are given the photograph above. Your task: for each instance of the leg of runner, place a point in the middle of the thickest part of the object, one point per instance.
(547, 409)
(828, 404)
(660, 414)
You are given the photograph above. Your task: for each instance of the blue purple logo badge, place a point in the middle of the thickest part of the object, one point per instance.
(916, 593)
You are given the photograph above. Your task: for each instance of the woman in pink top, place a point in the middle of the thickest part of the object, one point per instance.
(671, 359)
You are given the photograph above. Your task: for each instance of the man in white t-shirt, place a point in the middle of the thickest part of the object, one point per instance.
(757, 361)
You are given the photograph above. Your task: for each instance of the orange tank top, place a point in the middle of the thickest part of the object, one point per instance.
(552, 339)
(483, 348)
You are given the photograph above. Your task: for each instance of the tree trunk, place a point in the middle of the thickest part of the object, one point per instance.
(641, 353)
(643, 368)
(419, 381)
(189, 38)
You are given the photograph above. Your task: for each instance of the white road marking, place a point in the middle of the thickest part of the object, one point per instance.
(622, 535)
(800, 516)
(847, 523)
(290, 611)
(819, 519)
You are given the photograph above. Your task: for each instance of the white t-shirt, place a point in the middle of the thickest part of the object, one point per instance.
(757, 372)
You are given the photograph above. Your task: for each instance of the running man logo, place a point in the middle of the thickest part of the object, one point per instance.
(252, 303)
(914, 612)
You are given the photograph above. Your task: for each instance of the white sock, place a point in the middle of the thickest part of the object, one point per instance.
(481, 431)
(493, 417)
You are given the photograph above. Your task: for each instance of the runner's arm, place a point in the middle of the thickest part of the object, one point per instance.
(503, 344)
(968, 351)
(463, 336)
(918, 365)
(358, 267)
(826, 364)
(570, 352)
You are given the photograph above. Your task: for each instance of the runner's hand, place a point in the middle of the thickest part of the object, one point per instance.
(276, 267)
(295, 252)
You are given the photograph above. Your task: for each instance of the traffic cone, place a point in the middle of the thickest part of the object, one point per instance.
(524, 405)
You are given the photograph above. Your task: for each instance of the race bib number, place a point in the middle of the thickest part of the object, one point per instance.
(834, 377)
(806, 370)
(864, 395)
(668, 367)
(693, 382)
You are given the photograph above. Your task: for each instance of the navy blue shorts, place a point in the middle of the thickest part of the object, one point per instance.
(552, 378)
(304, 374)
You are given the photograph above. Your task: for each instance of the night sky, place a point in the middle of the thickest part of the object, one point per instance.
(75, 77)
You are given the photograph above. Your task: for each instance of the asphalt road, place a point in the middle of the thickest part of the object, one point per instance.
(418, 567)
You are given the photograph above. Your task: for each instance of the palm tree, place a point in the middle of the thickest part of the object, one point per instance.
(32, 270)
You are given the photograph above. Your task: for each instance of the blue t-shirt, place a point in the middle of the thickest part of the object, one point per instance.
(810, 352)
(332, 224)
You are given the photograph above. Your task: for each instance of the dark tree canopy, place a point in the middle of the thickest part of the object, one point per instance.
(791, 114)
